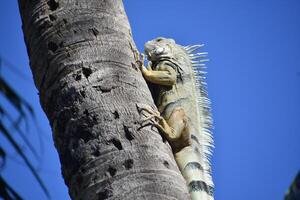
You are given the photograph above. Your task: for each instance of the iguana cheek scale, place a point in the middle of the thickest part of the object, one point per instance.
(184, 109)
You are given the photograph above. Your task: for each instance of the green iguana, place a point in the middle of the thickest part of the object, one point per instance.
(184, 109)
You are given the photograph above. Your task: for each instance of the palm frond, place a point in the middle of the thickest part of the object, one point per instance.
(7, 192)
(18, 149)
(293, 192)
(18, 102)
(24, 110)
(2, 157)
(18, 129)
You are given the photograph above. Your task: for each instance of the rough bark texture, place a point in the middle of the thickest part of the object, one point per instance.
(81, 56)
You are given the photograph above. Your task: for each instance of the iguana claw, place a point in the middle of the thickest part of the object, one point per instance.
(139, 58)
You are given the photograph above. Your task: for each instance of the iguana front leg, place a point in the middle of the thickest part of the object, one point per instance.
(162, 75)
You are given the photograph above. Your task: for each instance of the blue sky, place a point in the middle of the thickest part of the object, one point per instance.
(253, 81)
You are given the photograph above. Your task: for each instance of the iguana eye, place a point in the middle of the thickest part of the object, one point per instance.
(159, 50)
(158, 40)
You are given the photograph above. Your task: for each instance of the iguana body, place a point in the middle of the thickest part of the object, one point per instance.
(184, 116)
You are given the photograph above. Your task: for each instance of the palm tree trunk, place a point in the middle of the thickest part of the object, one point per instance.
(82, 60)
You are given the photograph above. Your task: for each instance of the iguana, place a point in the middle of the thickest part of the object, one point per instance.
(184, 109)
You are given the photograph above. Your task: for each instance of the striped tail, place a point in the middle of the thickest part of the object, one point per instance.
(195, 164)
(195, 174)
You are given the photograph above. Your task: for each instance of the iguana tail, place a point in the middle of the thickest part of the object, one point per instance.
(195, 164)
(194, 173)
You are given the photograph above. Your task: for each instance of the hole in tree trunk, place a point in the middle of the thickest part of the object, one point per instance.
(128, 133)
(116, 115)
(96, 153)
(86, 112)
(77, 76)
(52, 46)
(117, 143)
(52, 17)
(86, 72)
(53, 5)
(104, 194)
(128, 164)
(166, 164)
(112, 171)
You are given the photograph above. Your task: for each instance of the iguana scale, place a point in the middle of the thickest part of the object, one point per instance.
(184, 109)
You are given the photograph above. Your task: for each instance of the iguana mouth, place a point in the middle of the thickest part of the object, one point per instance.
(148, 49)
(148, 54)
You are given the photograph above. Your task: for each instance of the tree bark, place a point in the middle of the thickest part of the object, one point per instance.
(82, 60)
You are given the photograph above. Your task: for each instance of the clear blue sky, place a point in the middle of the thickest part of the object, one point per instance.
(253, 79)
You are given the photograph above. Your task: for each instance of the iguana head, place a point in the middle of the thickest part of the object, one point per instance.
(159, 48)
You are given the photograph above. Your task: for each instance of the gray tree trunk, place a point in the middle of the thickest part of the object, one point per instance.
(82, 60)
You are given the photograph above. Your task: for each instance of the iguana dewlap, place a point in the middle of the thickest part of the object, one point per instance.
(184, 109)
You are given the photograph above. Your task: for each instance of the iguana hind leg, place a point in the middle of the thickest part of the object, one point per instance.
(159, 122)
(175, 128)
